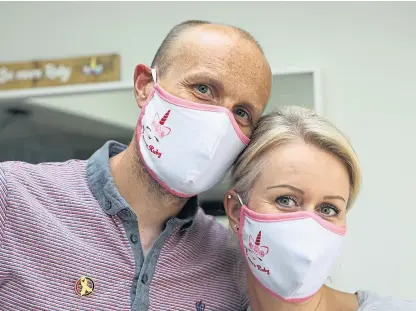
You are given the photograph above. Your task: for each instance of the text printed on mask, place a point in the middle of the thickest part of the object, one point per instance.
(155, 151)
(258, 267)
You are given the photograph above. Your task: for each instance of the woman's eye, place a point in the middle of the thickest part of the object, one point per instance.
(329, 211)
(286, 201)
(203, 89)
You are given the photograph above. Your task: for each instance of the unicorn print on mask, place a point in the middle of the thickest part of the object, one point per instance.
(154, 132)
(256, 252)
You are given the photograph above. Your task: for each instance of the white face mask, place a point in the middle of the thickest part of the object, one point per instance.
(187, 147)
(289, 254)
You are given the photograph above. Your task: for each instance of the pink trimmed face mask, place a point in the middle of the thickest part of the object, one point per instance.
(291, 255)
(187, 147)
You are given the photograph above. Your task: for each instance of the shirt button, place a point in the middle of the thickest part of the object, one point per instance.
(185, 226)
(108, 205)
(125, 213)
(145, 278)
(134, 238)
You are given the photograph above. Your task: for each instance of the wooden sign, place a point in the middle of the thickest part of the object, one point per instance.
(59, 72)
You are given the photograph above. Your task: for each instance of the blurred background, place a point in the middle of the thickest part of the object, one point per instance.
(352, 61)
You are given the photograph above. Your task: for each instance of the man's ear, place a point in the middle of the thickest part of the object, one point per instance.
(232, 208)
(143, 83)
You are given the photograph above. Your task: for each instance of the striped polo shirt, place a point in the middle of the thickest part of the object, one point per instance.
(70, 242)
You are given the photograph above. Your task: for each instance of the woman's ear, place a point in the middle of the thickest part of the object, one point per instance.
(143, 83)
(232, 208)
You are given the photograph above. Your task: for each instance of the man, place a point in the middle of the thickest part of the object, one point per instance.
(122, 231)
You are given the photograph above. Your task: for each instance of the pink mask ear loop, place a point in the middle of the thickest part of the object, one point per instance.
(239, 199)
(240, 228)
(242, 207)
(154, 75)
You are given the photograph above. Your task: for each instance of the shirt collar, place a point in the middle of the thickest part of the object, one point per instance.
(102, 185)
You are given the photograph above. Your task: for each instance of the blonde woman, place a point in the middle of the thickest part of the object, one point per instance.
(292, 189)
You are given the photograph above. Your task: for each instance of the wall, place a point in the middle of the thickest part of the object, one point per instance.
(366, 53)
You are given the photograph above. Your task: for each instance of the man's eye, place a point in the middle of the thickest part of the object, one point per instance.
(202, 88)
(242, 113)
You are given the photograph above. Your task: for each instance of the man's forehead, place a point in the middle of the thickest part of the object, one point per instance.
(221, 57)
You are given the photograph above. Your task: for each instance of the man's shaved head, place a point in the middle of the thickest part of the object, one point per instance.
(167, 52)
(212, 64)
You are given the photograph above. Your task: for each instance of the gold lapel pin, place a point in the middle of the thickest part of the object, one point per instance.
(84, 286)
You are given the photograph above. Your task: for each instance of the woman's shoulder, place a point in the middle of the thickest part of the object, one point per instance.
(370, 301)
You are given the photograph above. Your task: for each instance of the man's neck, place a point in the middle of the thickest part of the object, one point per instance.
(326, 299)
(152, 204)
(262, 300)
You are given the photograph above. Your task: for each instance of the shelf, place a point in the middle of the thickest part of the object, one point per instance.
(19, 94)
(107, 102)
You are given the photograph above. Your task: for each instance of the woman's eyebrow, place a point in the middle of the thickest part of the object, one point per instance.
(287, 186)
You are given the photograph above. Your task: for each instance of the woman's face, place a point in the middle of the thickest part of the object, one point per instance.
(301, 177)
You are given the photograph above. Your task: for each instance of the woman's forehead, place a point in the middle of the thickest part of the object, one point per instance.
(304, 164)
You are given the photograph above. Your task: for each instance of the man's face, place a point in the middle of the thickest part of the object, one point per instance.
(220, 68)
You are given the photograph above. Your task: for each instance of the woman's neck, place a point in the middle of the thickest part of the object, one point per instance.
(326, 299)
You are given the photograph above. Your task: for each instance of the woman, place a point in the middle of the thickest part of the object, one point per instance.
(292, 188)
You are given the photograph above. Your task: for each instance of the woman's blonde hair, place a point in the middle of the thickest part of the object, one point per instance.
(287, 125)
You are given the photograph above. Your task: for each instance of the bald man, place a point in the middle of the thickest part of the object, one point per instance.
(123, 231)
